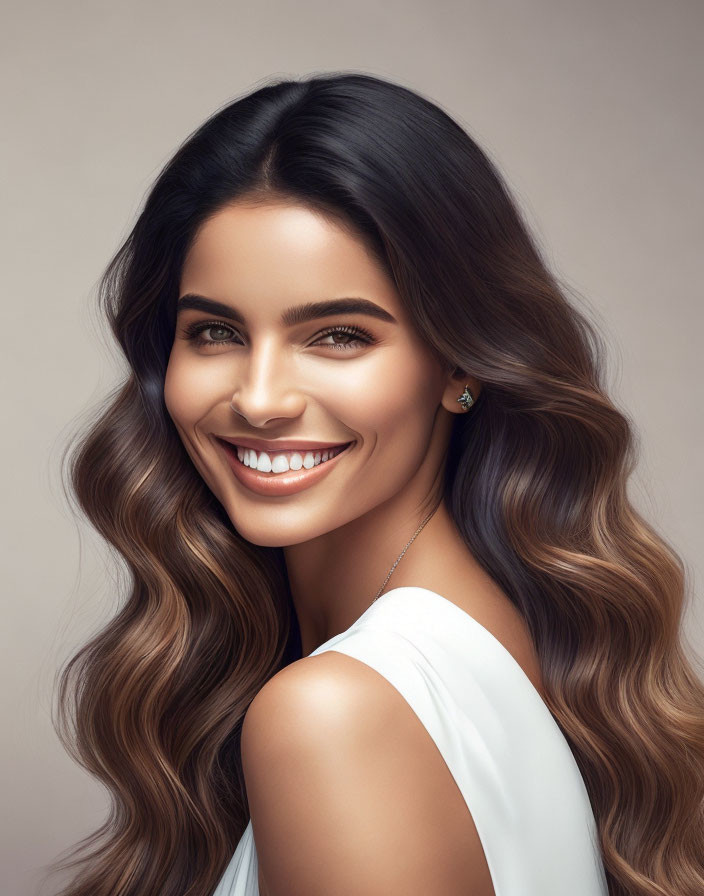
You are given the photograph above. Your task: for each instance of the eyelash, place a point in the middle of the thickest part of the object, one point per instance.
(193, 330)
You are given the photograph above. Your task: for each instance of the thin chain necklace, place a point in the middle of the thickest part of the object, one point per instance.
(404, 551)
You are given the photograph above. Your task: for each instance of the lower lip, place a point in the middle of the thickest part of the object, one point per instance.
(278, 483)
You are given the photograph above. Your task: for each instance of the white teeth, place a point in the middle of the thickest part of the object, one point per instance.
(264, 463)
(280, 462)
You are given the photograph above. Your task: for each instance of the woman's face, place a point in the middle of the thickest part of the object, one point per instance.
(258, 372)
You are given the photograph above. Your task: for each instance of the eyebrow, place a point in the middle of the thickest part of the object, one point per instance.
(297, 314)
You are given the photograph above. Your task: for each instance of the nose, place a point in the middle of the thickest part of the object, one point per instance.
(266, 389)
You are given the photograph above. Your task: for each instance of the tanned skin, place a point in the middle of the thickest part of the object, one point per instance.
(348, 793)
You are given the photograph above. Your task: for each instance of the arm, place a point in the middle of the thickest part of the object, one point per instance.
(348, 793)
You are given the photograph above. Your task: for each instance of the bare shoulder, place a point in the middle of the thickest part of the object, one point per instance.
(348, 793)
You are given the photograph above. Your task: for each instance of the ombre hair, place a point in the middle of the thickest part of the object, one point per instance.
(535, 482)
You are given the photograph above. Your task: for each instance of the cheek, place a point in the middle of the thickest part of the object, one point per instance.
(187, 391)
(186, 398)
(174, 394)
(389, 397)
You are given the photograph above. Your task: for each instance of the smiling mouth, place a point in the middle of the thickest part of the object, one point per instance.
(278, 463)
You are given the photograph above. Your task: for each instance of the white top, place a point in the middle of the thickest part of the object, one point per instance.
(510, 760)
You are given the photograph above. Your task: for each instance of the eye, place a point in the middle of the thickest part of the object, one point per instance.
(357, 336)
(354, 336)
(193, 332)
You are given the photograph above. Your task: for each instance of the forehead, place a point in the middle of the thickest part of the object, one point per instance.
(271, 255)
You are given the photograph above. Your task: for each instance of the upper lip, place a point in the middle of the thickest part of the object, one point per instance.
(279, 444)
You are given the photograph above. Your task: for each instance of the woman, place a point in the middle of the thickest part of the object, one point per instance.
(394, 625)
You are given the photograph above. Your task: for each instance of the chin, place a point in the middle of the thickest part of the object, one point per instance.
(263, 541)
(266, 536)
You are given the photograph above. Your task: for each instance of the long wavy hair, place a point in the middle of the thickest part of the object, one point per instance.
(535, 481)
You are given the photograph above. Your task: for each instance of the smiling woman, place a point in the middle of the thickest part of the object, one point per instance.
(348, 361)
(277, 374)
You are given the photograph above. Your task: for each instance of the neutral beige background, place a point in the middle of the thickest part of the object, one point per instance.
(592, 111)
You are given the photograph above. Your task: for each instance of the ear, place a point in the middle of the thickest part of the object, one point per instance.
(456, 381)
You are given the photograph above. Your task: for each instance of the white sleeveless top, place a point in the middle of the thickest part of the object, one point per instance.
(499, 740)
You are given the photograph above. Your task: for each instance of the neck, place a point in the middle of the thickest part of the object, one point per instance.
(334, 578)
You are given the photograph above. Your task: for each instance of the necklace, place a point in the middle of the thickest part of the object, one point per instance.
(404, 551)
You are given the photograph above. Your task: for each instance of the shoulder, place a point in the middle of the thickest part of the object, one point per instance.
(327, 716)
(346, 789)
(346, 691)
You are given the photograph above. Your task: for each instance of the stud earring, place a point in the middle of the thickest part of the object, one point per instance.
(466, 399)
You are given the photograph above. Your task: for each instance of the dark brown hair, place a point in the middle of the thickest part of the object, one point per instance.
(536, 483)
